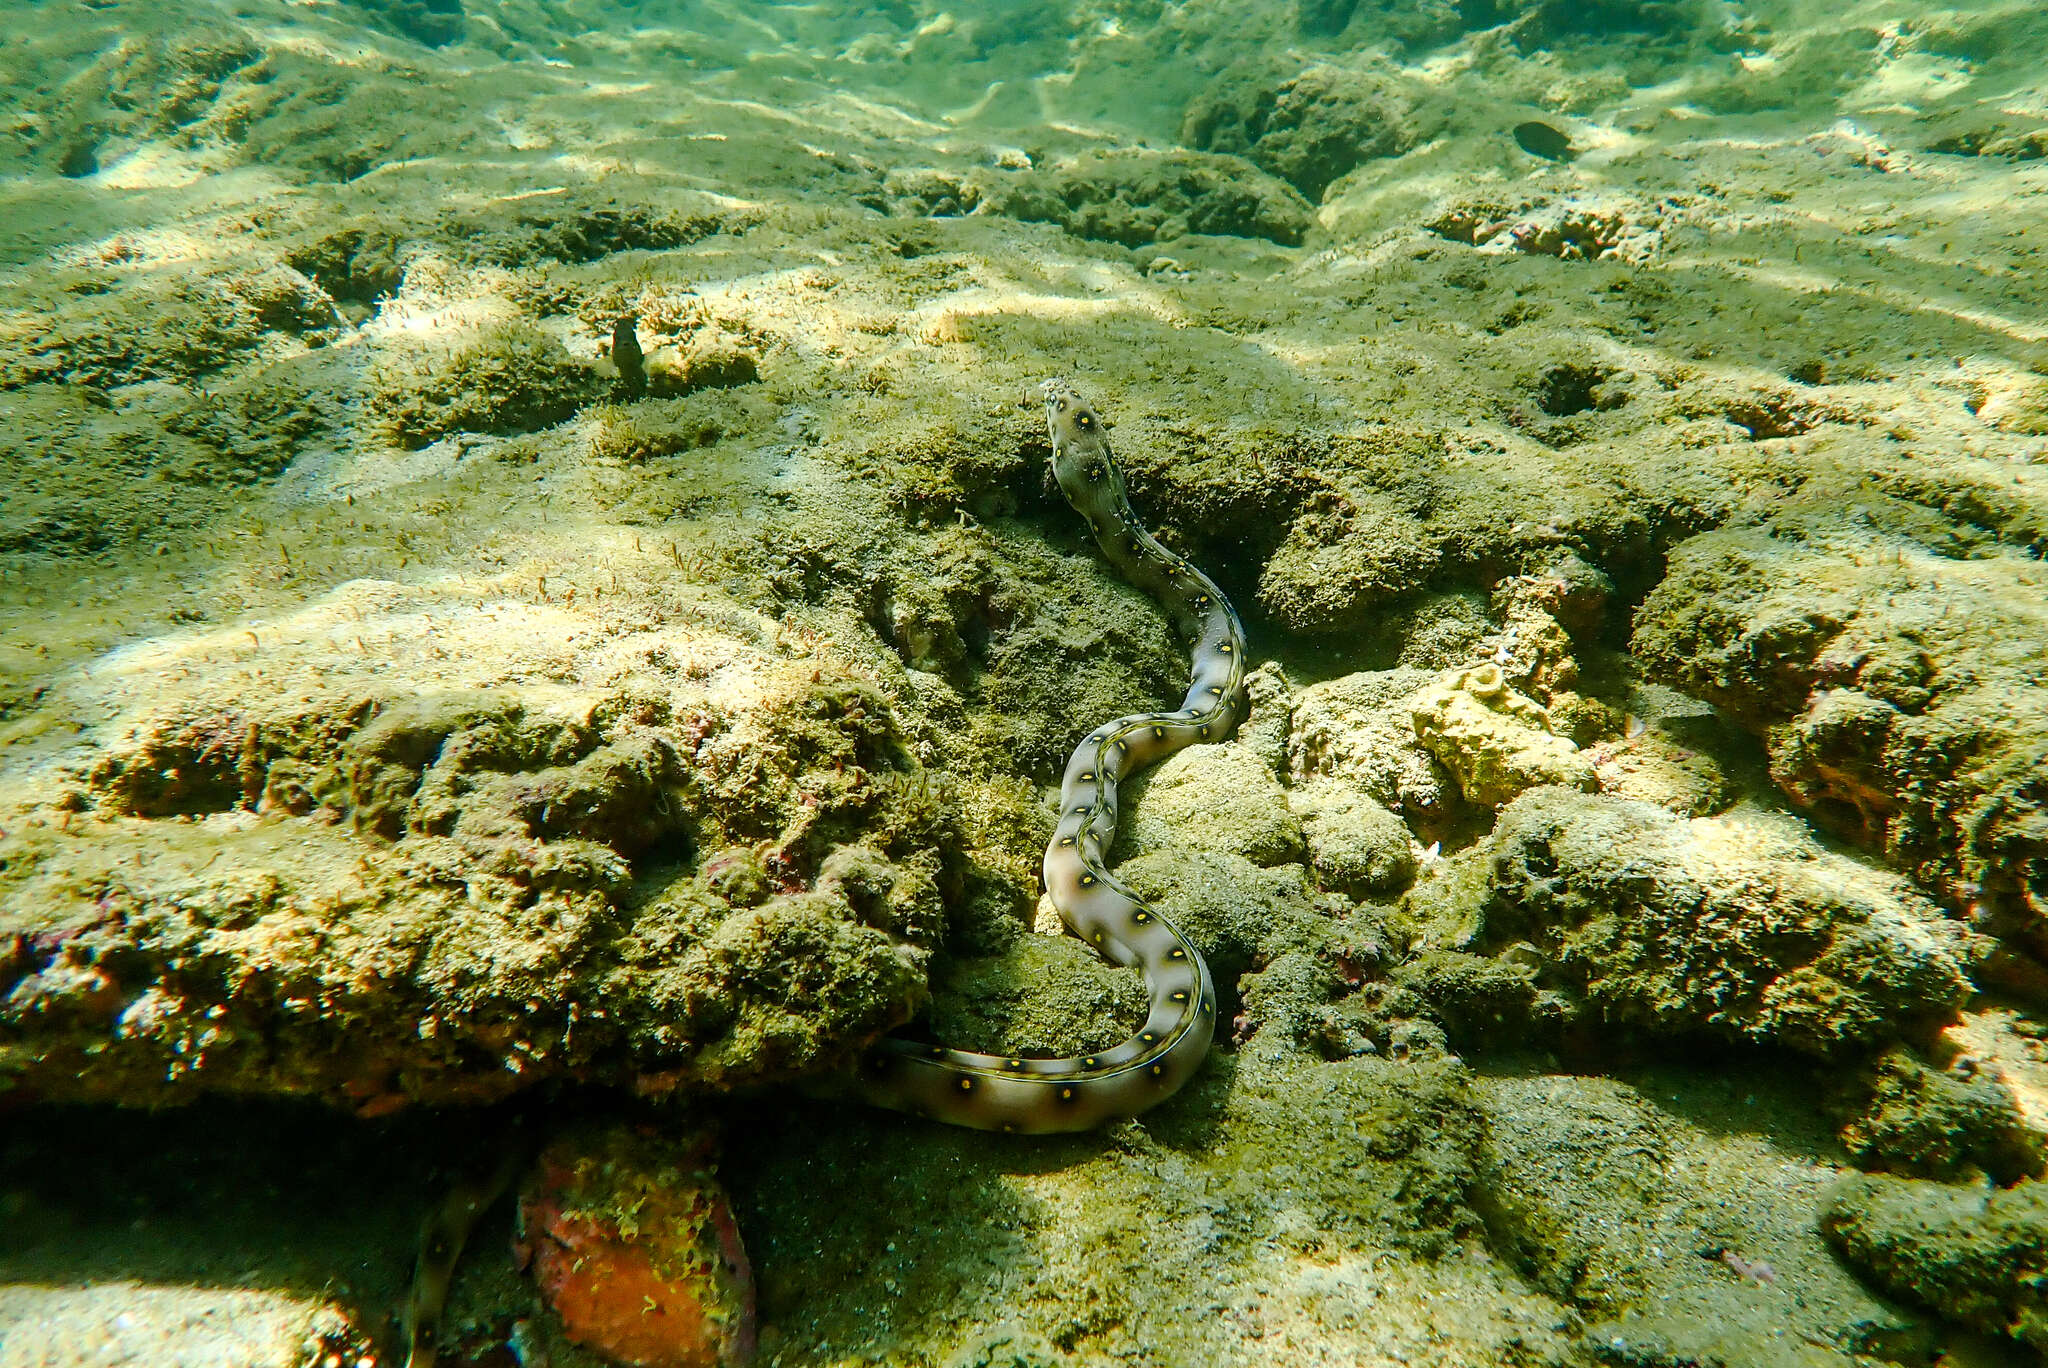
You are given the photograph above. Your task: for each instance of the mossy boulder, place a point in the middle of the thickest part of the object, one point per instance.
(1356, 732)
(507, 378)
(454, 892)
(1213, 798)
(99, 325)
(1043, 995)
(1738, 928)
(1307, 128)
(1977, 1257)
(1906, 1117)
(1897, 680)
(1354, 845)
(1136, 196)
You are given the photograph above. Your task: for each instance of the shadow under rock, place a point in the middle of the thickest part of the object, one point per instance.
(286, 1198)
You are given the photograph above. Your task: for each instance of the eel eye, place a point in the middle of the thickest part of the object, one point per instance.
(1084, 421)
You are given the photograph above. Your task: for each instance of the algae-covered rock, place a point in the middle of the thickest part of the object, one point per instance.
(1214, 798)
(1681, 1234)
(1496, 742)
(1136, 195)
(1484, 1001)
(1441, 631)
(615, 870)
(507, 378)
(1342, 557)
(1561, 1154)
(707, 362)
(1042, 995)
(1675, 766)
(656, 428)
(1978, 1258)
(1290, 1192)
(357, 264)
(1308, 128)
(1355, 730)
(1737, 927)
(1897, 683)
(1355, 845)
(1906, 1117)
(106, 327)
(586, 224)
(1237, 913)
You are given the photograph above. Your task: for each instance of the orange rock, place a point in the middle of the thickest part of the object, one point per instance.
(633, 1245)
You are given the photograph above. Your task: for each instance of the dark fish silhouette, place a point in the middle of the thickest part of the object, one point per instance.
(626, 356)
(1541, 140)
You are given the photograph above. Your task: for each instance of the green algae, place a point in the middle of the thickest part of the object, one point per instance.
(1647, 923)
(508, 378)
(1904, 1117)
(1976, 1257)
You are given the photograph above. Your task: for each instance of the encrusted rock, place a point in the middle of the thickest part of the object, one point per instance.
(1355, 730)
(1137, 195)
(621, 870)
(1909, 1118)
(1574, 227)
(1219, 798)
(1978, 1258)
(1741, 927)
(1496, 742)
(633, 1245)
(708, 362)
(1899, 691)
(1308, 128)
(1355, 845)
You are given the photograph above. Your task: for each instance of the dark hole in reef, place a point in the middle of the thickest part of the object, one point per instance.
(1326, 17)
(1813, 372)
(79, 160)
(1565, 390)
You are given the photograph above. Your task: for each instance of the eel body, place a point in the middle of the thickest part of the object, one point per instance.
(1036, 1095)
(442, 1236)
(1022, 1093)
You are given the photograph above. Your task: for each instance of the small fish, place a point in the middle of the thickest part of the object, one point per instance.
(1542, 140)
(1754, 1270)
(626, 355)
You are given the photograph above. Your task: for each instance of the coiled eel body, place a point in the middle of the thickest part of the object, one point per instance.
(1016, 1093)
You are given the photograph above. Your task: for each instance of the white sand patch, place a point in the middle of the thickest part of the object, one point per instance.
(123, 1323)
